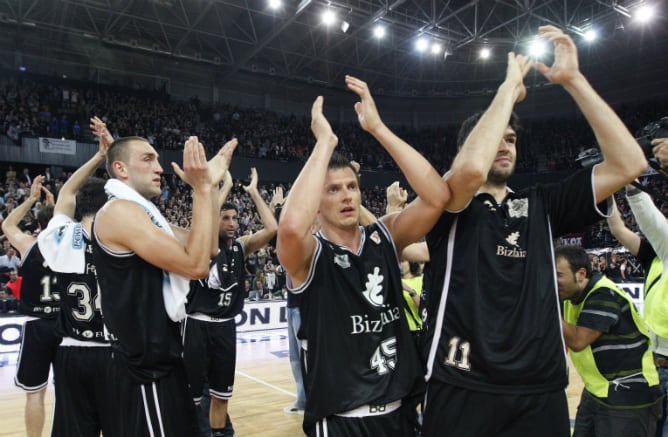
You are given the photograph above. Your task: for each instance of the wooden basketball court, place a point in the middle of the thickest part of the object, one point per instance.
(263, 387)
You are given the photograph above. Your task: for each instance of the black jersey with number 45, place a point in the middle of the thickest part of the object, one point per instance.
(221, 295)
(40, 291)
(359, 348)
(493, 320)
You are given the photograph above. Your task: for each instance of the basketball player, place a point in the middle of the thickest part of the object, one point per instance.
(82, 406)
(144, 266)
(495, 354)
(360, 358)
(40, 298)
(210, 330)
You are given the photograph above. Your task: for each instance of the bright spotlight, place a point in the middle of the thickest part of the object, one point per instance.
(436, 48)
(421, 44)
(590, 35)
(485, 53)
(345, 26)
(275, 4)
(328, 17)
(537, 48)
(379, 31)
(644, 13)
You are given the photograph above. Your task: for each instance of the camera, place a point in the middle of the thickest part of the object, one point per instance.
(589, 157)
(656, 129)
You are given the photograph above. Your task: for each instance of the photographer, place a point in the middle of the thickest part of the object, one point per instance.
(655, 227)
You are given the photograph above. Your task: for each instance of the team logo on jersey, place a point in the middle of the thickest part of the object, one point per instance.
(374, 288)
(489, 204)
(511, 252)
(375, 237)
(512, 238)
(518, 208)
(342, 261)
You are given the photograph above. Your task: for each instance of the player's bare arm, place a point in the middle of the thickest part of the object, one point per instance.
(269, 226)
(10, 226)
(623, 158)
(422, 177)
(295, 243)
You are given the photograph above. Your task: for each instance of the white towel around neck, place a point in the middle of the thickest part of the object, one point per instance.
(174, 287)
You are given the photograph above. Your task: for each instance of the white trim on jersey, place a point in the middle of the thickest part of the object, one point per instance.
(556, 291)
(311, 270)
(441, 305)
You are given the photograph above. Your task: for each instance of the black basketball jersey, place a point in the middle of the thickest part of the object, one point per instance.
(359, 348)
(221, 295)
(493, 320)
(40, 291)
(80, 310)
(142, 334)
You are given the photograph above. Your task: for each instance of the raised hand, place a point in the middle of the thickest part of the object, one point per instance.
(219, 164)
(195, 170)
(277, 198)
(396, 197)
(565, 66)
(252, 186)
(518, 67)
(366, 110)
(100, 130)
(49, 200)
(36, 188)
(356, 166)
(227, 180)
(320, 127)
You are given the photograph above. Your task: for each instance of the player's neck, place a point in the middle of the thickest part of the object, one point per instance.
(496, 190)
(349, 237)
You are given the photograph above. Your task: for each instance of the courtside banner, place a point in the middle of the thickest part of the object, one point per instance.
(54, 145)
(261, 315)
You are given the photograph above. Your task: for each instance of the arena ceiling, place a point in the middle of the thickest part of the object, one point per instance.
(246, 38)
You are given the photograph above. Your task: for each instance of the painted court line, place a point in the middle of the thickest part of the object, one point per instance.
(252, 378)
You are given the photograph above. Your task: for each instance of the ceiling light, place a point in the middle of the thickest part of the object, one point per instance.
(379, 31)
(537, 48)
(328, 17)
(344, 26)
(275, 4)
(644, 13)
(436, 48)
(485, 53)
(590, 35)
(421, 44)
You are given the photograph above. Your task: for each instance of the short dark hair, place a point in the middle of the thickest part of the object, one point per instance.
(338, 161)
(414, 268)
(576, 256)
(90, 198)
(468, 125)
(229, 205)
(118, 151)
(44, 215)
